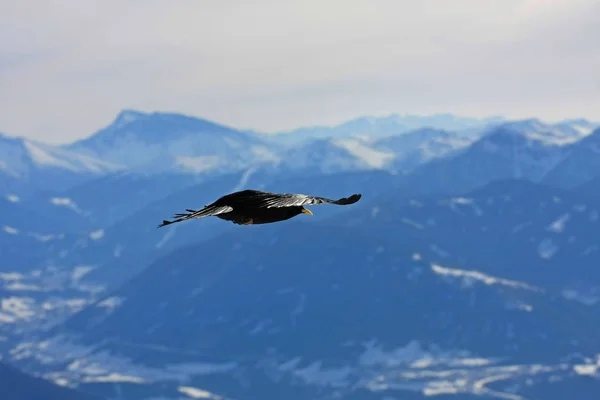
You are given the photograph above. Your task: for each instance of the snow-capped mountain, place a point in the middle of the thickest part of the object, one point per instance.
(397, 153)
(26, 166)
(335, 155)
(391, 125)
(420, 146)
(159, 142)
(449, 279)
(425, 297)
(581, 163)
(565, 132)
(519, 149)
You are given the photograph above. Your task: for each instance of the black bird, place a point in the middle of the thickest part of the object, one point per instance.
(253, 207)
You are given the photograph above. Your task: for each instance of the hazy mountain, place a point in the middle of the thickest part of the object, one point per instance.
(580, 164)
(159, 142)
(123, 249)
(335, 155)
(26, 166)
(516, 150)
(446, 295)
(458, 275)
(390, 125)
(104, 201)
(420, 146)
(564, 132)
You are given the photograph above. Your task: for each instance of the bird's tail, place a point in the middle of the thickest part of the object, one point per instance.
(205, 212)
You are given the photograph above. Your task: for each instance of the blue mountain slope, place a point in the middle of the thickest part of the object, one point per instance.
(580, 165)
(501, 227)
(134, 242)
(366, 304)
(102, 202)
(518, 150)
(26, 234)
(15, 385)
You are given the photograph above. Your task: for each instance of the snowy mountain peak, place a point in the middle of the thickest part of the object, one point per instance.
(159, 142)
(375, 127)
(152, 127)
(27, 166)
(19, 157)
(127, 116)
(535, 130)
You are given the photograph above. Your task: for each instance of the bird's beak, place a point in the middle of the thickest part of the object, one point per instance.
(305, 211)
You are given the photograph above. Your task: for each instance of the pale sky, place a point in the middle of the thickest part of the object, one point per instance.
(67, 67)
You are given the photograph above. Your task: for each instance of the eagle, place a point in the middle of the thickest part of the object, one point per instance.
(253, 207)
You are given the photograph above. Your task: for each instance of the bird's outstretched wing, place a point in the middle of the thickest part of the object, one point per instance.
(291, 200)
(207, 211)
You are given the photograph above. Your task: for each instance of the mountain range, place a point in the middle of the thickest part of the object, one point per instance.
(466, 271)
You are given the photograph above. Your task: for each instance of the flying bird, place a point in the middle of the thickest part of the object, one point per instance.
(253, 207)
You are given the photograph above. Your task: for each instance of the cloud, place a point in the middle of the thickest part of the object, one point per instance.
(68, 66)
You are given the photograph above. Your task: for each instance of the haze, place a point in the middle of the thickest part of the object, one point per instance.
(68, 67)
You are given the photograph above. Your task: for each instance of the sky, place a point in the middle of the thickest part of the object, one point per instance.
(67, 67)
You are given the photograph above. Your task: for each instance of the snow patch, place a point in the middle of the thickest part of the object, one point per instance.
(18, 307)
(11, 276)
(437, 388)
(414, 356)
(114, 377)
(469, 277)
(80, 271)
(263, 154)
(198, 164)
(586, 369)
(97, 235)
(111, 303)
(41, 156)
(195, 393)
(65, 202)
(558, 226)
(466, 202)
(372, 158)
(45, 238)
(89, 363)
(10, 230)
(50, 156)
